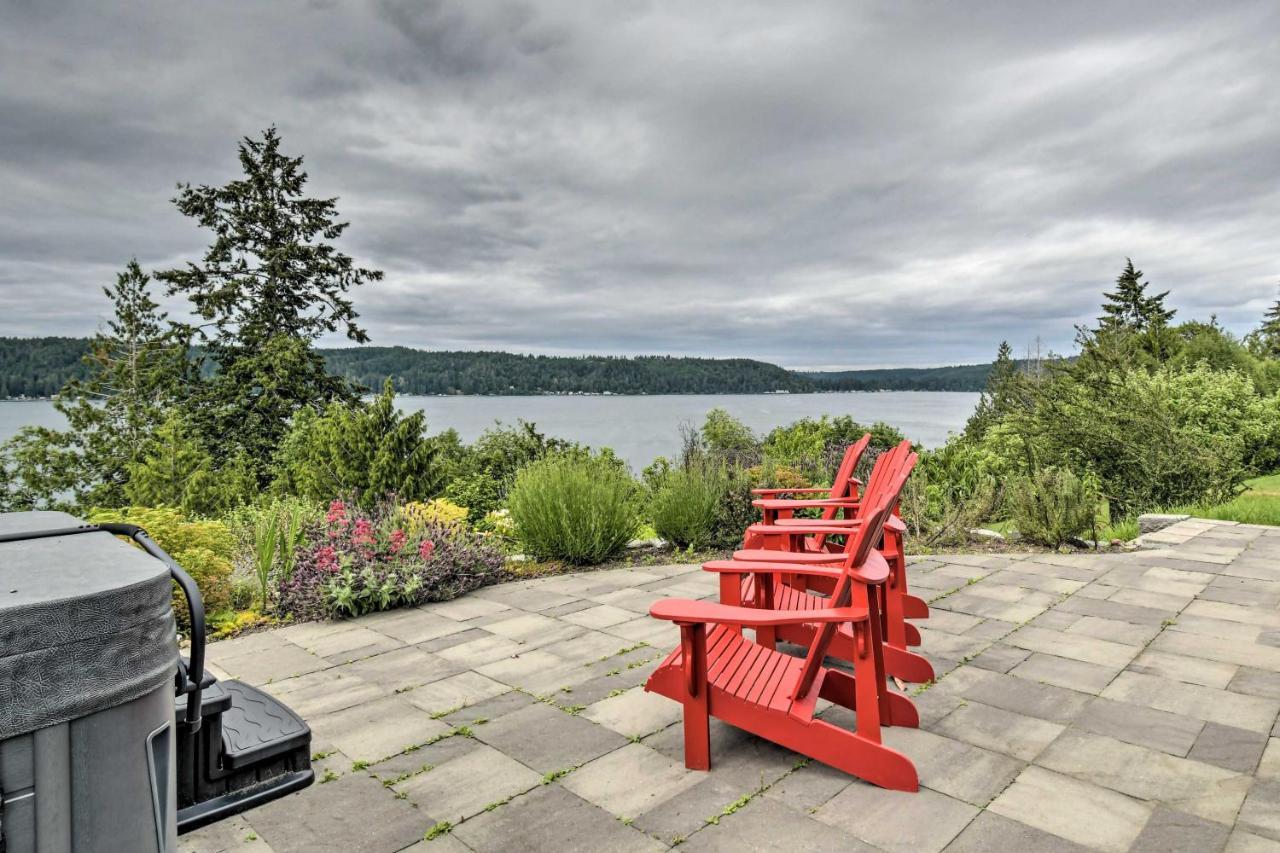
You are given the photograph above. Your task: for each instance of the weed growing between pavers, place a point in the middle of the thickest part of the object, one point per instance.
(438, 830)
(438, 714)
(627, 650)
(328, 776)
(409, 774)
(461, 731)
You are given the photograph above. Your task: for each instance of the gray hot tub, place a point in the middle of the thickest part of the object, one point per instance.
(88, 657)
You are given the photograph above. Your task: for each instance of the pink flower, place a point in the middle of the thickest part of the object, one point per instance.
(362, 533)
(327, 559)
(337, 512)
(425, 547)
(397, 541)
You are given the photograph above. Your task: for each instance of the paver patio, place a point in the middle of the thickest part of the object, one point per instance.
(1108, 702)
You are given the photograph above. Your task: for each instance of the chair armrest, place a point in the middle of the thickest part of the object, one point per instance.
(893, 524)
(805, 530)
(684, 611)
(805, 490)
(739, 567)
(805, 503)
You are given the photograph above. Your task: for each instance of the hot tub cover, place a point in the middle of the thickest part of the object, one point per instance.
(86, 623)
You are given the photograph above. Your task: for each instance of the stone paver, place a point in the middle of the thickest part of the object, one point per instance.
(1078, 811)
(377, 729)
(631, 781)
(468, 784)
(634, 713)
(923, 822)
(351, 813)
(562, 741)
(1107, 702)
(548, 820)
(999, 730)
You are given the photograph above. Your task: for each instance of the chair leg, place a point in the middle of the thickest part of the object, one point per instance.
(697, 716)
(841, 688)
(867, 681)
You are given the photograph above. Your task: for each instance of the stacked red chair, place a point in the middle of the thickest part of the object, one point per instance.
(717, 672)
(787, 543)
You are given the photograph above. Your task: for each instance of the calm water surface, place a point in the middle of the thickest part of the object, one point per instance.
(640, 428)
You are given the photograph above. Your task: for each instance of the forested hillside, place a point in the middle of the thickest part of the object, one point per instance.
(38, 367)
(963, 377)
(419, 372)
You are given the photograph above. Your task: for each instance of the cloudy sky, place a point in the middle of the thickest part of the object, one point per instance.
(816, 184)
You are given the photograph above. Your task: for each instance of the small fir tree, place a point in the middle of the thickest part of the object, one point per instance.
(1268, 334)
(173, 470)
(1129, 311)
(136, 370)
(371, 451)
(998, 395)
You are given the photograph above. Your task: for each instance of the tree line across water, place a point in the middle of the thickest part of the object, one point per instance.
(40, 367)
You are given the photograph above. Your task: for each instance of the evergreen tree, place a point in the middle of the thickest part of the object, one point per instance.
(997, 396)
(172, 468)
(1129, 312)
(134, 372)
(1268, 334)
(1129, 307)
(267, 287)
(371, 451)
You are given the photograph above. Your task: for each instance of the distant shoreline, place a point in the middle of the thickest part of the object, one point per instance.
(36, 368)
(628, 394)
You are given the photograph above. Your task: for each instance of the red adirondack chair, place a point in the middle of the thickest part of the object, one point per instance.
(798, 570)
(718, 672)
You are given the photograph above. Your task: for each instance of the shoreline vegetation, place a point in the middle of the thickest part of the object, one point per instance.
(36, 368)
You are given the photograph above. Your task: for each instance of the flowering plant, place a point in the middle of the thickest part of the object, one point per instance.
(360, 561)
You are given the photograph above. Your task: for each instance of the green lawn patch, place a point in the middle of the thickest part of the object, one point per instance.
(1259, 505)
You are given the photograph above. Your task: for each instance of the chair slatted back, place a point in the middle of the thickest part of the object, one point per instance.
(894, 467)
(842, 487)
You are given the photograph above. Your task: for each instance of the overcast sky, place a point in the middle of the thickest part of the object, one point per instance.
(816, 184)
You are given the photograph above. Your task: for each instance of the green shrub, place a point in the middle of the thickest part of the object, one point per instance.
(268, 535)
(481, 492)
(369, 451)
(574, 507)
(1155, 438)
(939, 510)
(729, 439)
(1054, 505)
(684, 507)
(203, 548)
(735, 511)
(815, 446)
(480, 476)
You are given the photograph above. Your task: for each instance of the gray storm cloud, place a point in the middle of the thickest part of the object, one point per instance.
(818, 184)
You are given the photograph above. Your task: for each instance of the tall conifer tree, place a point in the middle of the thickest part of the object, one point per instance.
(268, 286)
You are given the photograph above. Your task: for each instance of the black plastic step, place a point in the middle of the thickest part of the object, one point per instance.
(251, 750)
(257, 727)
